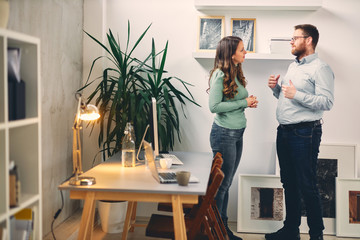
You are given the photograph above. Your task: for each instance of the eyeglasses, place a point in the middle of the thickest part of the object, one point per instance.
(294, 38)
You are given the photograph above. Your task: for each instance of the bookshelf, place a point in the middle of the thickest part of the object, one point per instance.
(20, 140)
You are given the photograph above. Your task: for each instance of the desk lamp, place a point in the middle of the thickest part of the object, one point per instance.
(85, 112)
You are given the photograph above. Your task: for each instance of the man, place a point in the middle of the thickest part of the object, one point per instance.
(303, 94)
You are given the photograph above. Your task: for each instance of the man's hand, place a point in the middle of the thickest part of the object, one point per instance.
(273, 80)
(289, 91)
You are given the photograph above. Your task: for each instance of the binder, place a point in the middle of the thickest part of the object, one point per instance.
(16, 100)
(16, 86)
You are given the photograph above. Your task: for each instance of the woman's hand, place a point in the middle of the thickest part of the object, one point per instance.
(252, 101)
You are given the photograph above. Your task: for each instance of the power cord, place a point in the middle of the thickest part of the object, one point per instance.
(57, 214)
(59, 210)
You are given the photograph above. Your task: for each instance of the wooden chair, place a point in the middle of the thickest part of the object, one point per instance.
(162, 226)
(215, 222)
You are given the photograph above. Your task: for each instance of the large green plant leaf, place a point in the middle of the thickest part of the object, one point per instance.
(123, 93)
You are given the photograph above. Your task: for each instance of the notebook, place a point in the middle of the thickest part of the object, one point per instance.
(162, 177)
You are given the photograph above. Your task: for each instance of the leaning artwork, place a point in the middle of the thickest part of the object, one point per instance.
(211, 30)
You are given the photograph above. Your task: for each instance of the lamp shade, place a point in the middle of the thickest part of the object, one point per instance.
(89, 112)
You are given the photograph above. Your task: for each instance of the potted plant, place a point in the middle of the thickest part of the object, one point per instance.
(123, 94)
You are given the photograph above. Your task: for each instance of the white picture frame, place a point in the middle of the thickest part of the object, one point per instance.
(347, 168)
(210, 31)
(343, 226)
(245, 221)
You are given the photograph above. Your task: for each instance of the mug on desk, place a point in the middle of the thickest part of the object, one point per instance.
(165, 163)
(183, 177)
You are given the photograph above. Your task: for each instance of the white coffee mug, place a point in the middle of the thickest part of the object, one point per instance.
(165, 163)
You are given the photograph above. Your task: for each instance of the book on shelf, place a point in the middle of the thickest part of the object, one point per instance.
(22, 225)
(14, 185)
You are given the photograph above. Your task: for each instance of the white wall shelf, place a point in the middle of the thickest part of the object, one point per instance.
(249, 56)
(22, 122)
(20, 140)
(309, 5)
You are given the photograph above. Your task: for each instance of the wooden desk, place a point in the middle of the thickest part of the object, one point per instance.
(113, 182)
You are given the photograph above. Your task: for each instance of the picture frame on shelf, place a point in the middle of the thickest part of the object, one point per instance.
(261, 203)
(245, 28)
(347, 207)
(211, 31)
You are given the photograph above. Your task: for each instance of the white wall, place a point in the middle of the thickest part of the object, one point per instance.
(58, 24)
(177, 22)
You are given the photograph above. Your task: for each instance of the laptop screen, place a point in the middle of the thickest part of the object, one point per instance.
(149, 153)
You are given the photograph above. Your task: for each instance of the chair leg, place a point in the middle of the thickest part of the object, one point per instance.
(215, 224)
(208, 228)
(219, 220)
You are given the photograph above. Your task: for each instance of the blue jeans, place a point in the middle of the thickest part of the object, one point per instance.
(229, 142)
(298, 149)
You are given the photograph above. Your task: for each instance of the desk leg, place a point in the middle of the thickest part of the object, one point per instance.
(87, 218)
(127, 224)
(178, 216)
(133, 218)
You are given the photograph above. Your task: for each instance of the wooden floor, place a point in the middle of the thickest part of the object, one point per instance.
(68, 230)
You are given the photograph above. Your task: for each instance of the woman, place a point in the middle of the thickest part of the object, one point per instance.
(228, 98)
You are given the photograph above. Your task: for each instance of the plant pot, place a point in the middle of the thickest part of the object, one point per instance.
(4, 13)
(112, 215)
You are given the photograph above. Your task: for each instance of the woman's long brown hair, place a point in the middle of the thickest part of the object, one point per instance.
(225, 49)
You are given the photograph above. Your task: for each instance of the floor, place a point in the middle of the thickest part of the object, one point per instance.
(68, 231)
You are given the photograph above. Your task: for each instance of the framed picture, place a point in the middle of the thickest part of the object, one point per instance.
(211, 31)
(347, 207)
(261, 205)
(245, 28)
(335, 160)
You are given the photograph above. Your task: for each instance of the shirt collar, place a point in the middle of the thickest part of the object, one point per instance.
(306, 59)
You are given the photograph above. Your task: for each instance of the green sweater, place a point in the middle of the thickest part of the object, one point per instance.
(229, 112)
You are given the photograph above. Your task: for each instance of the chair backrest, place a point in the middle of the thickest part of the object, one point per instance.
(205, 204)
(217, 161)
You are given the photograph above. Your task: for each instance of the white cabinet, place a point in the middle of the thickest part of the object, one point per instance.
(20, 140)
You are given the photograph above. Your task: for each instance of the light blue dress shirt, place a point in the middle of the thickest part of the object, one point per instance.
(314, 83)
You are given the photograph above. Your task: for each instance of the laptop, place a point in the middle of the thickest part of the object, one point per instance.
(161, 177)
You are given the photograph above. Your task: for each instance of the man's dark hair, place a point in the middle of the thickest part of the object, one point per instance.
(309, 30)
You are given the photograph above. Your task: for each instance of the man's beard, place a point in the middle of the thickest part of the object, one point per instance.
(297, 52)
